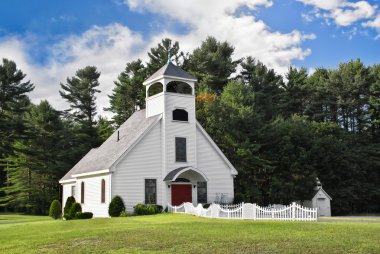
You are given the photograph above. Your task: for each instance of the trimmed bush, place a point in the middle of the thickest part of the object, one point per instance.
(75, 208)
(141, 209)
(66, 211)
(116, 206)
(85, 215)
(55, 209)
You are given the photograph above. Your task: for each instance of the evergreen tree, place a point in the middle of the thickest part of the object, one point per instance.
(104, 128)
(158, 56)
(212, 64)
(295, 95)
(80, 92)
(266, 85)
(13, 102)
(129, 92)
(37, 164)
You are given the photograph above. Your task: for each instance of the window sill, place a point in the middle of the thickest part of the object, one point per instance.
(179, 121)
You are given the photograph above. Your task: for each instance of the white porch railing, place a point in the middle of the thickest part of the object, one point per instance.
(292, 212)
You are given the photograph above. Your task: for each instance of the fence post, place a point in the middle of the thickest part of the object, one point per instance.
(175, 209)
(242, 211)
(254, 211)
(293, 210)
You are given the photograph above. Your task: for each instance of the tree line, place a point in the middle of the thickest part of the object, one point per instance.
(279, 132)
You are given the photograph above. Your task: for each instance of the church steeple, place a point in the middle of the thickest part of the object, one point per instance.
(169, 79)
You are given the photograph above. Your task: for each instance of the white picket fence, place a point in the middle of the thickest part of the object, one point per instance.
(292, 212)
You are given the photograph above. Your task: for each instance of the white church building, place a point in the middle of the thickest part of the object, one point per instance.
(160, 155)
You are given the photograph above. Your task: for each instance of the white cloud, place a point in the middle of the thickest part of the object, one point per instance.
(342, 12)
(110, 47)
(374, 24)
(216, 18)
(323, 4)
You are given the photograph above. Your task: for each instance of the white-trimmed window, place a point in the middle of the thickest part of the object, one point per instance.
(150, 191)
(180, 149)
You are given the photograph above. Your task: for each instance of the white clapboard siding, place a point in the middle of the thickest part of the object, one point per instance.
(155, 105)
(92, 195)
(216, 169)
(66, 192)
(142, 162)
(175, 129)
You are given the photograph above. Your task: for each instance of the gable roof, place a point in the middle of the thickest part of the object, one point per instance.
(320, 189)
(103, 157)
(170, 70)
(217, 149)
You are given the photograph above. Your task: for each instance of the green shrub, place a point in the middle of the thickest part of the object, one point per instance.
(69, 202)
(151, 209)
(55, 209)
(116, 207)
(141, 209)
(159, 208)
(75, 208)
(123, 214)
(85, 215)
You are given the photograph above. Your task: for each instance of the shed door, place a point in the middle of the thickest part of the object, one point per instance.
(322, 205)
(181, 193)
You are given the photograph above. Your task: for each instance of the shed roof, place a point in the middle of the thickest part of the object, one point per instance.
(171, 70)
(322, 190)
(106, 155)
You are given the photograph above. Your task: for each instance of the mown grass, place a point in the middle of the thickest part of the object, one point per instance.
(175, 233)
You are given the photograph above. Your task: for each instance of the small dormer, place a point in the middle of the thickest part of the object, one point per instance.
(169, 80)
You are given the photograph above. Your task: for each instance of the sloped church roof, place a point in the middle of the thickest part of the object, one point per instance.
(104, 157)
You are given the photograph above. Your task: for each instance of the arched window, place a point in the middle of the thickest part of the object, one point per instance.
(154, 89)
(179, 87)
(82, 193)
(180, 115)
(103, 192)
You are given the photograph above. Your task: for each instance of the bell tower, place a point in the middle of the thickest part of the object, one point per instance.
(171, 92)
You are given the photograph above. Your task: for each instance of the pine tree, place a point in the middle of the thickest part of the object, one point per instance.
(80, 92)
(129, 92)
(158, 56)
(13, 102)
(212, 64)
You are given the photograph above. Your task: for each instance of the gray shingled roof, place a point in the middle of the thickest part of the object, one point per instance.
(170, 69)
(171, 174)
(104, 156)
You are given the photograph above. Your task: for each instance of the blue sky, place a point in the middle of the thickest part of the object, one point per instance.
(49, 40)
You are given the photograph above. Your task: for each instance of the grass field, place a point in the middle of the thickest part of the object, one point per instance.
(176, 233)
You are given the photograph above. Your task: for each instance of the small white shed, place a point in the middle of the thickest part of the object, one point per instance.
(321, 200)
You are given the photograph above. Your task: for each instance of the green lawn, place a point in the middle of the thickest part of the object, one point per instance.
(175, 233)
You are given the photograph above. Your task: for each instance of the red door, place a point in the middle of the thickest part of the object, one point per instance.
(181, 193)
